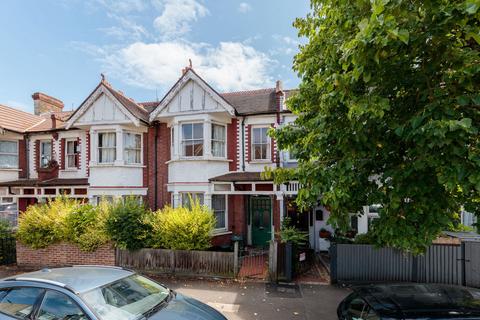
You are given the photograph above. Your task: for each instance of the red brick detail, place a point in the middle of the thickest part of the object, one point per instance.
(61, 161)
(273, 154)
(248, 142)
(237, 223)
(24, 203)
(78, 155)
(63, 254)
(222, 240)
(232, 142)
(161, 176)
(22, 159)
(36, 155)
(87, 152)
(145, 160)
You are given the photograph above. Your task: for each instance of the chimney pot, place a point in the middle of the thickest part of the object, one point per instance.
(279, 86)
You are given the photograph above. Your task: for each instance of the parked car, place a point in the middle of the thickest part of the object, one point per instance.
(410, 301)
(95, 293)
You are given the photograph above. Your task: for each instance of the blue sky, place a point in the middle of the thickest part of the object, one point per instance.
(60, 47)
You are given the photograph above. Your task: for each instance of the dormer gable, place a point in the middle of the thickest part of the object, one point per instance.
(105, 105)
(191, 94)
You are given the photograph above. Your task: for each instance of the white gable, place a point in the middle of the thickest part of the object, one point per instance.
(101, 108)
(191, 95)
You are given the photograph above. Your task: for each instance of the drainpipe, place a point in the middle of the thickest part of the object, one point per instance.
(27, 162)
(243, 143)
(155, 166)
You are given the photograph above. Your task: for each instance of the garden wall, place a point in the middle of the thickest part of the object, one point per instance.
(63, 254)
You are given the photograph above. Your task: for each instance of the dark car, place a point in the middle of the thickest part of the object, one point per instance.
(410, 301)
(95, 293)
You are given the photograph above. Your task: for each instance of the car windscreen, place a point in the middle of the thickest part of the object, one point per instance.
(126, 299)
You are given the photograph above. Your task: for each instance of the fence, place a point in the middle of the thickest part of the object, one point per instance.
(450, 264)
(208, 263)
(8, 253)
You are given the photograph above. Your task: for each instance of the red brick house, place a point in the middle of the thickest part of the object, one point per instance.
(194, 142)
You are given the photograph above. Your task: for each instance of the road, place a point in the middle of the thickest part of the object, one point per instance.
(242, 301)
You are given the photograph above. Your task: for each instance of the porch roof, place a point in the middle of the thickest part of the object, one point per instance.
(239, 177)
(45, 183)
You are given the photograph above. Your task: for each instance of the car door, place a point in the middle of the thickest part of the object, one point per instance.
(19, 302)
(355, 308)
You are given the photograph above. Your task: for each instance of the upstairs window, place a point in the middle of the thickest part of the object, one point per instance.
(107, 142)
(132, 144)
(192, 139)
(8, 154)
(260, 144)
(218, 140)
(45, 153)
(71, 154)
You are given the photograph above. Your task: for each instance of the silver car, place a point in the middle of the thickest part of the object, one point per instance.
(95, 293)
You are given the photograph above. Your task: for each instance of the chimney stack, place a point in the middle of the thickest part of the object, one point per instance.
(54, 121)
(279, 93)
(279, 86)
(43, 103)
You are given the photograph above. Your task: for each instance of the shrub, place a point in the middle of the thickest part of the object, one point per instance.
(85, 226)
(127, 224)
(183, 228)
(5, 228)
(289, 233)
(44, 224)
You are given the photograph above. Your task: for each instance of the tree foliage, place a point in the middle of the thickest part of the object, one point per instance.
(388, 113)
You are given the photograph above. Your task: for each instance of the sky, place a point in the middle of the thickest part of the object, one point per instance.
(60, 47)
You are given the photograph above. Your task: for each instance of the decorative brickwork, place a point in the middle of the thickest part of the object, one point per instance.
(163, 155)
(63, 254)
(232, 142)
(61, 161)
(22, 159)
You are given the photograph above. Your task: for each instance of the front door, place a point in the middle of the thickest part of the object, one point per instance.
(261, 217)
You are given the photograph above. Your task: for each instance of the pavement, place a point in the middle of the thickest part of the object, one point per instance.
(256, 300)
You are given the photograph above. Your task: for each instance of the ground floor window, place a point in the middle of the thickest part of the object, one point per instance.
(186, 197)
(219, 207)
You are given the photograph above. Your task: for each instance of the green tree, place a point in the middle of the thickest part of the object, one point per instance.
(388, 113)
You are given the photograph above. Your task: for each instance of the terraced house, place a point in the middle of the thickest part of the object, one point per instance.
(194, 143)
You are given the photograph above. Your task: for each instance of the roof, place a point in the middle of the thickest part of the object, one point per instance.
(239, 177)
(79, 278)
(17, 120)
(261, 101)
(417, 300)
(464, 236)
(45, 183)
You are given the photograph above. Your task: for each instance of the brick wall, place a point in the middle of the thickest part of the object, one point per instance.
(63, 254)
(232, 142)
(22, 159)
(163, 155)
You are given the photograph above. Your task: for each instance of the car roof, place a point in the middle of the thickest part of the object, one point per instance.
(78, 278)
(416, 300)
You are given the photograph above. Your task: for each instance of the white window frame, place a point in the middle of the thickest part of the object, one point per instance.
(41, 155)
(224, 141)
(172, 142)
(288, 158)
(253, 144)
(74, 154)
(225, 212)
(193, 194)
(183, 140)
(99, 149)
(125, 158)
(10, 154)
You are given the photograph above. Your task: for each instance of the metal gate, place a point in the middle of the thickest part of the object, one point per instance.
(472, 263)
(253, 264)
(8, 251)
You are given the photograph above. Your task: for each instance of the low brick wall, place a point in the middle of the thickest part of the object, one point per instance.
(63, 254)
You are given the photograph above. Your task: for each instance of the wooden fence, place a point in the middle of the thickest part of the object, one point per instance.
(208, 263)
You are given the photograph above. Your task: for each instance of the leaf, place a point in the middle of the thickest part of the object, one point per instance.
(404, 36)
(463, 100)
(471, 6)
(473, 35)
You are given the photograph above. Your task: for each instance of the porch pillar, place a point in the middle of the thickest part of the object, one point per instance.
(281, 203)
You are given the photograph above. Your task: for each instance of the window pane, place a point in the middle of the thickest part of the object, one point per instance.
(198, 131)
(70, 147)
(187, 131)
(8, 147)
(257, 135)
(219, 209)
(71, 161)
(198, 148)
(107, 139)
(19, 302)
(57, 306)
(8, 161)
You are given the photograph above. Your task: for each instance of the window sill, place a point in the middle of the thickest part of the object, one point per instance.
(221, 232)
(113, 165)
(184, 159)
(10, 169)
(70, 170)
(261, 161)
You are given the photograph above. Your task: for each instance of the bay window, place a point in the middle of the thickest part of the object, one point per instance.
(71, 154)
(260, 144)
(192, 139)
(219, 207)
(45, 153)
(8, 154)
(132, 145)
(107, 142)
(218, 140)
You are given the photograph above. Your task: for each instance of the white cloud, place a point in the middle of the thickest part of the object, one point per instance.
(229, 66)
(120, 6)
(244, 7)
(177, 16)
(125, 29)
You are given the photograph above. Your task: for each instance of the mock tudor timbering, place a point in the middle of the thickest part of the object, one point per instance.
(195, 142)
